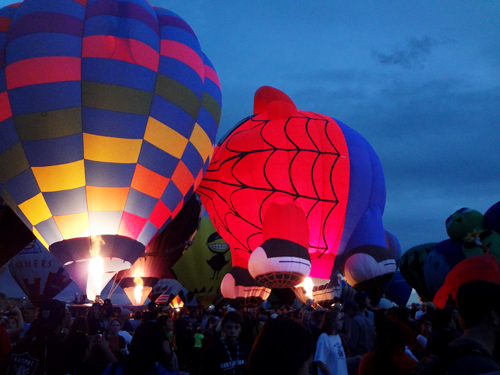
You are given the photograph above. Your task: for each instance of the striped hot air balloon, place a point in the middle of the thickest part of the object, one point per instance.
(108, 117)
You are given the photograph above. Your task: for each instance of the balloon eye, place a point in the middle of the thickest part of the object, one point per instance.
(464, 210)
(449, 221)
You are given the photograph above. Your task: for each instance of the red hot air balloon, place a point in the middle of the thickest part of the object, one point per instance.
(328, 169)
(108, 116)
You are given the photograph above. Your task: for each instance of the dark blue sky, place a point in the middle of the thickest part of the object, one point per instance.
(420, 80)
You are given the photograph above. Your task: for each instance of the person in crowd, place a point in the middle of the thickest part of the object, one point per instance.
(360, 335)
(116, 342)
(364, 304)
(5, 345)
(95, 319)
(79, 324)
(388, 357)
(78, 354)
(409, 337)
(42, 351)
(198, 349)
(228, 355)
(330, 356)
(425, 328)
(284, 346)
(168, 358)
(145, 354)
(420, 312)
(14, 325)
(443, 332)
(478, 304)
(29, 315)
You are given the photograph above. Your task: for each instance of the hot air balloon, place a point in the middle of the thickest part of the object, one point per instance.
(108, 117)
(327, 168)
(398, 291)
(162, 253)
(38, 273)
(479, 267)
(439, 262)
(412, 268)
(204, 264)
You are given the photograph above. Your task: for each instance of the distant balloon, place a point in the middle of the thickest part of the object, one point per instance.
(38, 273)
(204, 264)
(462, 222)
(412, 269)
(399, 291)
(108, 117)
(439, 262)
(327, 168)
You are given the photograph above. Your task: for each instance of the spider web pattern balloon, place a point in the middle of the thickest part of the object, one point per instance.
(304, 156)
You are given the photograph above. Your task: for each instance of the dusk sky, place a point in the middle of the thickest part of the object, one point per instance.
(420, 80)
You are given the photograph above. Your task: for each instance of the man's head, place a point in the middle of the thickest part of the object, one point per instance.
(231, 326)
(350, 308)
(51, 315)
(478, 303)
(29, 314)
(363, 300)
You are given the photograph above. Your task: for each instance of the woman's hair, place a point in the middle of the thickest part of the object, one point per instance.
(145, 349)
(389, 338)
(282, 347)
(329, 321)
(79, 324)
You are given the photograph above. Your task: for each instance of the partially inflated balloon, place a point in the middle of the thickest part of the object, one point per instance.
(108, 117)
(399, 290)
(462, 222)
(38, 273)
(492, 218)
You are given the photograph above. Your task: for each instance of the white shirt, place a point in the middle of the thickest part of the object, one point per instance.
(330, 351)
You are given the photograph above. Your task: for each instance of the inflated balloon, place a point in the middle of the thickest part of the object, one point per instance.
(439, 261)
(282, 260)
(204, 264)
(462, 222)
(479, 267)
(327, 168)
(38, 273)
(241, 287)
(14, 236)
(411, 268)
(398, 291)
(108, 117)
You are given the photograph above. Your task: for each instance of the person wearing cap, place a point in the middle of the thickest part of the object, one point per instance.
(42, 351)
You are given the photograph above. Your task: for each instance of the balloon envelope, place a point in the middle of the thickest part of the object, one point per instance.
(204, 264)
(38, 273)
(108, 117)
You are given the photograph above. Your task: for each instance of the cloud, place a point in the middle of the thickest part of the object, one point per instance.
(412, 55)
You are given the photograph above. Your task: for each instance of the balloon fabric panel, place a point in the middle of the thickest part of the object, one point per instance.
(108, 117)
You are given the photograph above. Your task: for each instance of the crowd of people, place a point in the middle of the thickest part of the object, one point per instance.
(347, 338)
